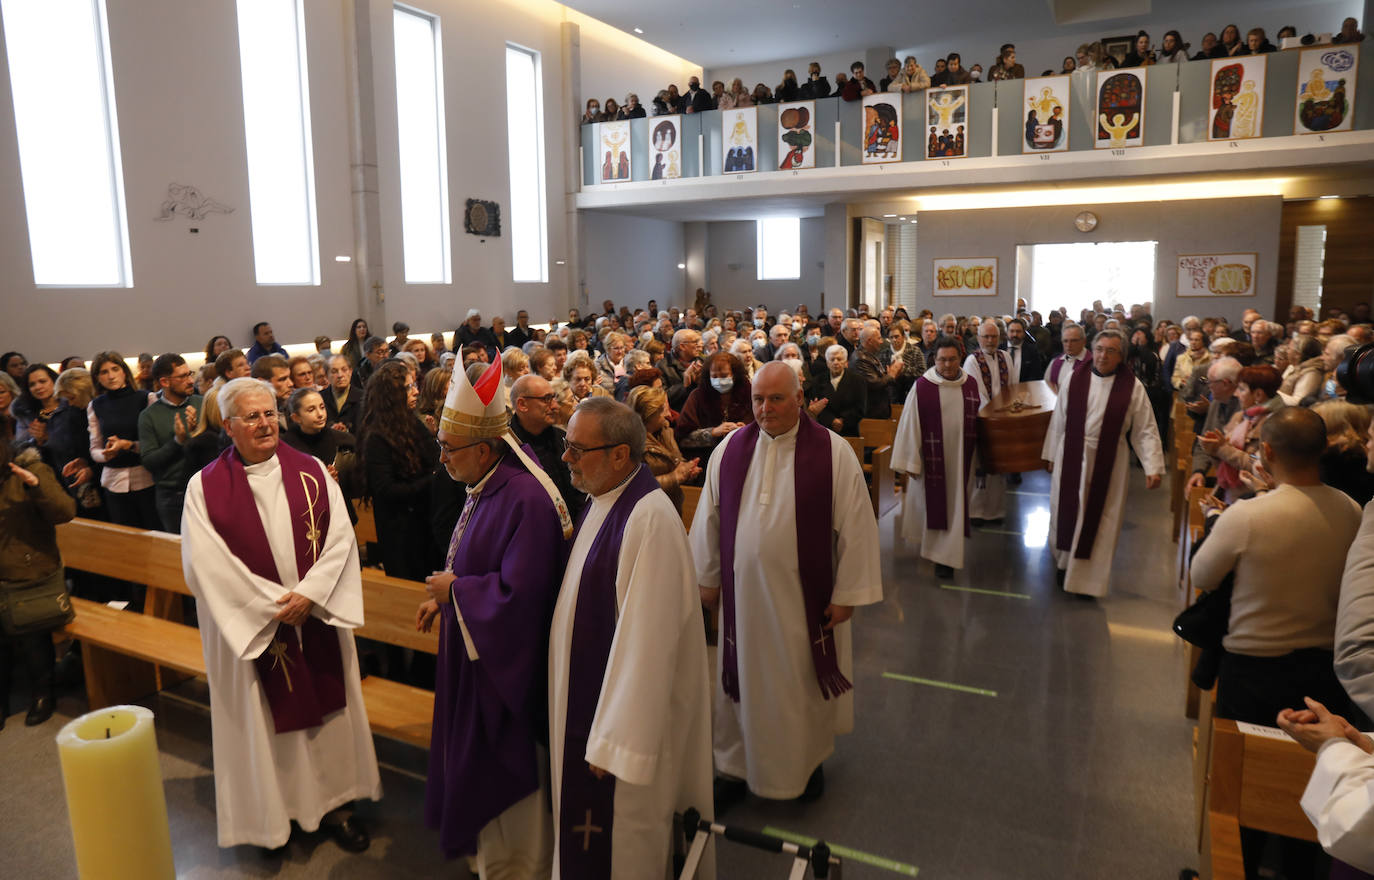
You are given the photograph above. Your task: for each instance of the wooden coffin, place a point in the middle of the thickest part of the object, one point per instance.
(1011, 437)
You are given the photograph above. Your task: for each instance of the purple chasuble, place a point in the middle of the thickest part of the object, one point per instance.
(301, 678)
(1075, 424)
(587, 804)
(490, 713)
(931, 416)
(814, 493)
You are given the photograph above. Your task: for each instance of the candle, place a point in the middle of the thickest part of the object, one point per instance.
(114, 795)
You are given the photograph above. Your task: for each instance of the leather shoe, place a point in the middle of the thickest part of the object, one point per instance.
(815, 786)
(350, 835)
(40, 711)
(943, 571)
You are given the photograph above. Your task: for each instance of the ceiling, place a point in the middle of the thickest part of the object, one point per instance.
(715, 33)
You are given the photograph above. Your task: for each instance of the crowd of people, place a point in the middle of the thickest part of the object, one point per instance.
(553, 426)
(907, 74)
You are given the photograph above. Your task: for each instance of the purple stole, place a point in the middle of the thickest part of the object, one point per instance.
(814, 491)
(301, 678)
(931, 415)
(1057, 366)
(1071, 477)
(1003, 376)
(587, 804)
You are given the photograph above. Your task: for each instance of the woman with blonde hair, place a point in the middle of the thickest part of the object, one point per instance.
(1345, 463)
(514, 364)
(578, 382)
(433, 392)
(661, 452)
(68, 450)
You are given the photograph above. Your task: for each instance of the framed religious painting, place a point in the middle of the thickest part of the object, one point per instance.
(882, 128)
(665, 147)
(965, 276)
(1045, 109)
(739, 140)
(1120, 108)
(1326, 89)
(615, 151)
(796, 135)
(946, 133)
(1236, 110)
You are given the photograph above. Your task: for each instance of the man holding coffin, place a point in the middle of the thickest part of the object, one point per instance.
(935, 441)
(1075, 352)
(991, 369)
(268, 550)
(1100, 404)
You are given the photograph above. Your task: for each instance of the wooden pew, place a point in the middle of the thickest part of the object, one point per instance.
(882, 490)
(124, 652)
(1191, 530)
(691, 496)
(1253, 781)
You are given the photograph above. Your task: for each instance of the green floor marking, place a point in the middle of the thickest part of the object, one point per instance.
(845, 852)
(982, 692)
(984, 592)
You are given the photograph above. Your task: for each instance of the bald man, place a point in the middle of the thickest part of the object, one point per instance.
(534, 422)
(992, 369)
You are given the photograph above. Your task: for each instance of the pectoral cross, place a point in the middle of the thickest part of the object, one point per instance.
(587, 829)
(821, 640)
(279, 658)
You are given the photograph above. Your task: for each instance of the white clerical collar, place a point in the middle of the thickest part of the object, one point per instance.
(770, 445)
(933, 375)
(263, 467)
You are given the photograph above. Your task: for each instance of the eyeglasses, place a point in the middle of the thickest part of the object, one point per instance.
(255, 419)
(546, 398)
(445, 449)
(576, 452)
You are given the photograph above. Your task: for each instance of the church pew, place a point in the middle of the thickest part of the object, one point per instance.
(896, 414)
(882, 490)
(1254, 781)
(122, 652)
(691, 497)
(1190, 533)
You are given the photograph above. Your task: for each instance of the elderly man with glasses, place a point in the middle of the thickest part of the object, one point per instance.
(534, 422)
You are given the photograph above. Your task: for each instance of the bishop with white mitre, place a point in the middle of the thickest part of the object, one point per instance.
(268, 550)
(991, 367)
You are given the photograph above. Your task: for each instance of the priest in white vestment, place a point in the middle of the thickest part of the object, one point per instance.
(1075, 352)
(1339, 799)
(789, 505)
(935, 444)
(991, 368)
(629, 696)
(1100, 405)
(269, 552)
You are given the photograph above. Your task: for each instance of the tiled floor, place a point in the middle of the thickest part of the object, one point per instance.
(1078, 767)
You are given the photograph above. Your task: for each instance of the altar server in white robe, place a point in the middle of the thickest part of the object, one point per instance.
(935, 444)
(1075, 351)
(269, 552)
(1100, 404)
(629, 696)
(786, 543)
(1339, 799)
(991, 367)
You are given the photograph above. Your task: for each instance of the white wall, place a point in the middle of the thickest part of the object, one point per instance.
(615, 63)
(632, 260)
(735, 243)
(770, 72)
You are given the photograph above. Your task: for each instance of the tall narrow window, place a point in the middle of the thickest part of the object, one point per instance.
(64, 113)
(424, 167)
(276, 125)
(779, 248)
(1309, 262)
(525, 141)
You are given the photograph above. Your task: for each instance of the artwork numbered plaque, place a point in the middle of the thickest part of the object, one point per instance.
(665, 146)
(946, 133)
(882, 128)
(615, 151)
(1237, 104)
(739, 140)
(1045, 114)
(1326, 89)
(1120, 109)
(796, 135)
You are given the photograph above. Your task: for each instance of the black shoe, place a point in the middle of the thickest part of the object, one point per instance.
(40, 711)
(272, 854)
(1059, 575)
(1084, 597)
(68, 671)
(943, 571)
(728, 792)
(815, 786)
(350, 835)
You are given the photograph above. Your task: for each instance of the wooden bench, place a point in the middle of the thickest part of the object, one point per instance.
(129, 656)
(1253, 781)
(691, 497)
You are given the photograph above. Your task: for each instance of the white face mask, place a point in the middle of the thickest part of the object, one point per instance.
(758, 322)
(722, 385)
(646, 337)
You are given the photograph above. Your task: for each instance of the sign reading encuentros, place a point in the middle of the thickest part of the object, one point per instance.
(1217, 274)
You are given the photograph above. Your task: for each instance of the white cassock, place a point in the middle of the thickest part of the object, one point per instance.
(264, 779)
(652, 729)
(1340, 802)
(988, 499)
(782, 728)
(941, 546)
(1066, 364)
(1092, 576)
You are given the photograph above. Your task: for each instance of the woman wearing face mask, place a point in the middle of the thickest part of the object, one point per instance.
(839, 399)
(718, 405)
(790, 354)
(308, 433)
(592, 113)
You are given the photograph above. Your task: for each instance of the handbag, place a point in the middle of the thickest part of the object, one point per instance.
(35, 605)
(1205, 622)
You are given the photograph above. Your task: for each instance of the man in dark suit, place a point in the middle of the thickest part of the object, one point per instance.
(878, 381)
(1026, 364)
(520, 333)
(696, 100)
(839, 399)
(472, 331)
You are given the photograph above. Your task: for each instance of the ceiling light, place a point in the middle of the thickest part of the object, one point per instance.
(1328, 197)
(343, 259)
(639, 30)
(682, 265)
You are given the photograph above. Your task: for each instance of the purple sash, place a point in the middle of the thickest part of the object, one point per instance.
(1003, 376)
(301, 677)
(814, 490)
(1071, 477)
(933, 448)
(587, 804)
(1058, 366)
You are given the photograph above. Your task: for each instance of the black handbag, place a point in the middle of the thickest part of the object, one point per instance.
(1205, 622)
(34, 606)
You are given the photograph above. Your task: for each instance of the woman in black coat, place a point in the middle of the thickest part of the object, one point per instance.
(334, 447)
(399, 458)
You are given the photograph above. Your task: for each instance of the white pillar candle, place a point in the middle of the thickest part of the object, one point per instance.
(114, 796)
